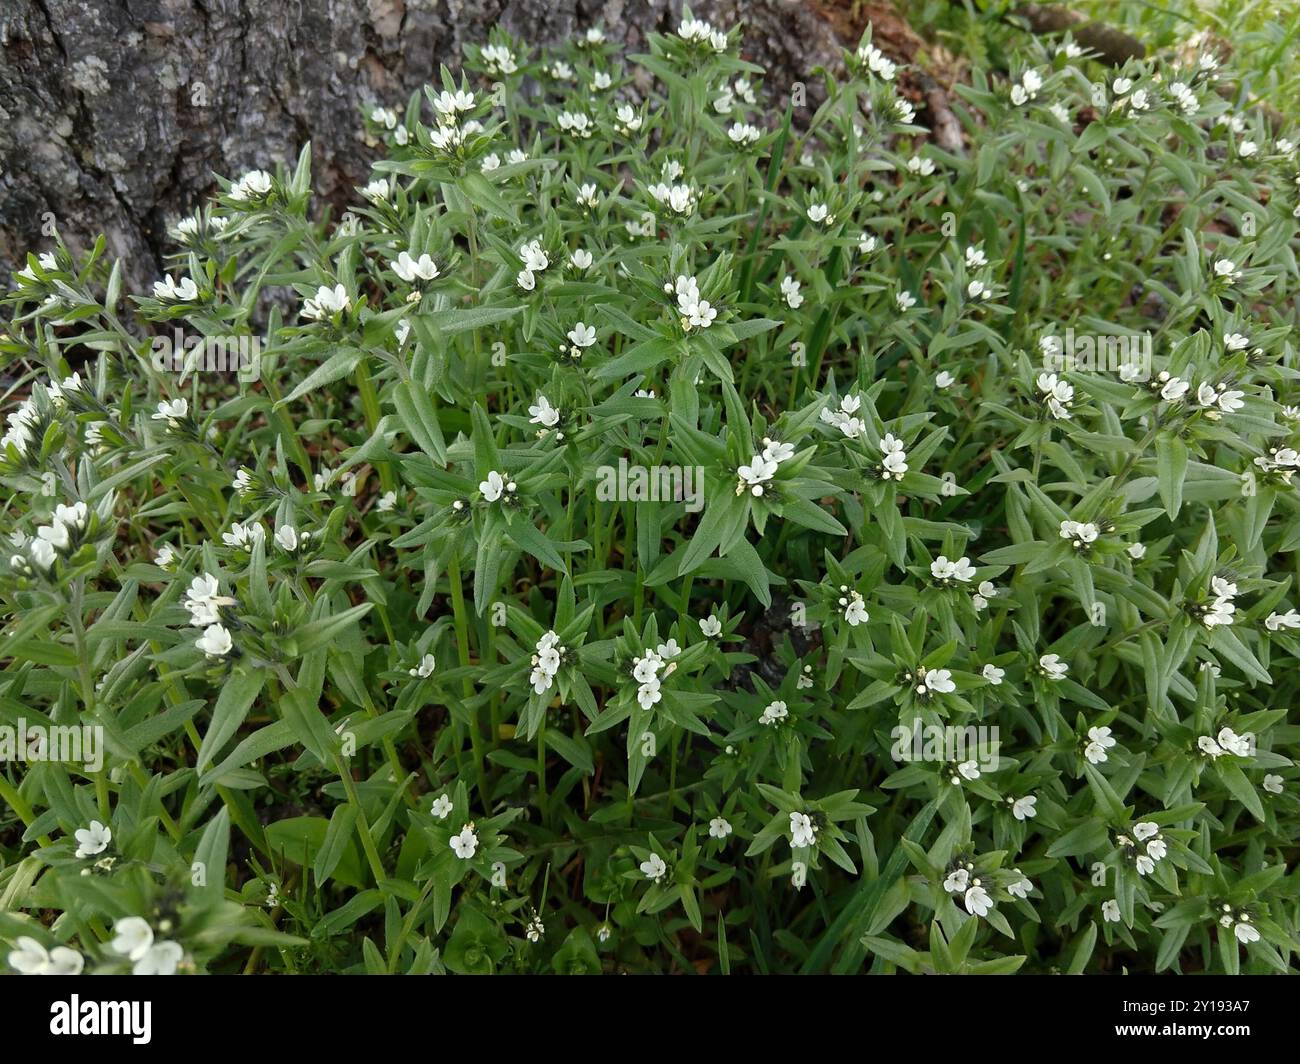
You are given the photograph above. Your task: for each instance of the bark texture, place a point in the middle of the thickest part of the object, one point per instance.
(114, 114)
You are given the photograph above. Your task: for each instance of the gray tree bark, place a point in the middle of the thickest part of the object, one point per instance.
(114, 114)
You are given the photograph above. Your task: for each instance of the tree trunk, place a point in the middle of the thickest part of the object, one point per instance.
(114, 114)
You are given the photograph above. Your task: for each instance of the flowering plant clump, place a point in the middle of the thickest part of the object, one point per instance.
(615, 480)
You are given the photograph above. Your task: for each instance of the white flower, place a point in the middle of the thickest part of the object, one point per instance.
(288, 538)
(876, 62)
(1021, 887)
(498, 59)
(968, 770)
(1275, 621)
(1145, 865)
(42, 552)
(30, 958)
(1226, 269)
(464, 844)
(940, 681)
(1053, 667)
(1137, 551)
(943, 569)
(171, 411)
(743, 133)
(492, 488)
(944, 380)
(377, 191)
(411, 269)
(580, 259)
(1273, 783)
(1220, 612)
(253, 184)
(132, 937)
(184, 292)
(243, 536)
(957, 881)
(1057, 393)
(441, 807)
(215, 641)
(1145, 829)
(1023, 808)
(425, 669)
(905, 300)
(582, 335)
(542, 413)
(983, 593)
(1208, 746)
(1099, 741)
(1245, 933)
(975, 257)
(576, 123)
(546, 662)
(534, 258)
(719, 828)
(819, 212)
(1081, 534)
(326, 302)
(1173, 389)
(977, 901)
(759, 471)
(93, 840)
(790, 290)
(162, 958)
(1110, 911)
(1240, 745)
(450, 104)
(802, 831)
(776, 451)
(993, 674)
(855, 609)
(774, 713)
(653, 868)
(711, 626)
(628, 119)
(165, 557)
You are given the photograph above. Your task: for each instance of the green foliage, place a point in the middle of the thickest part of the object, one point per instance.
(616, 489)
